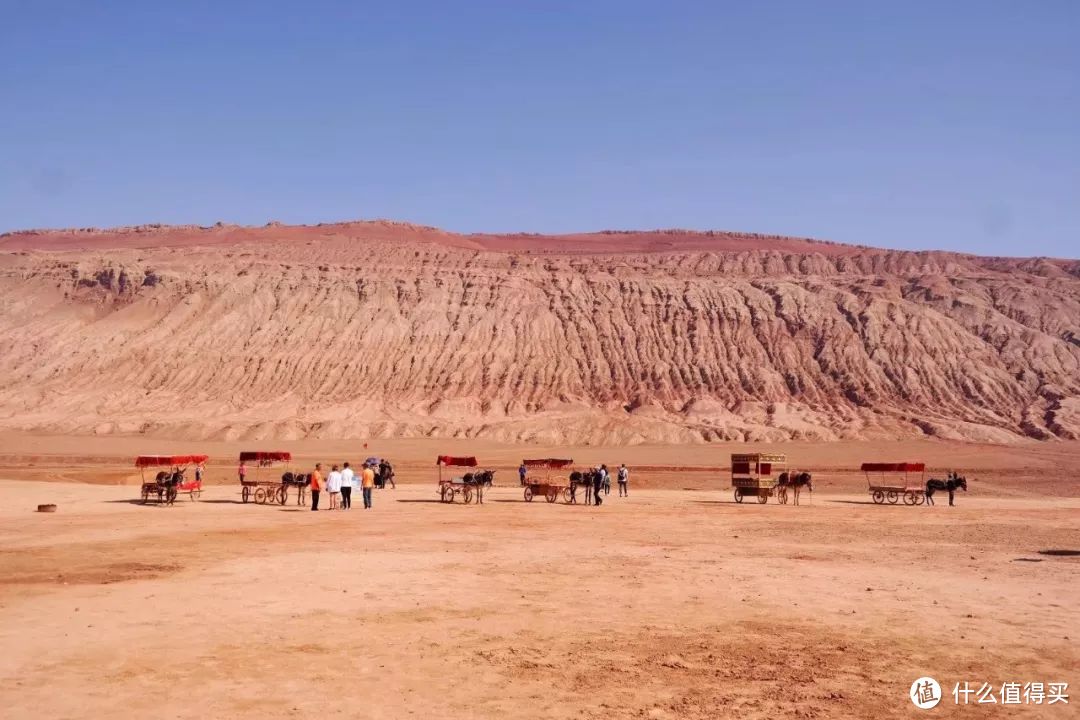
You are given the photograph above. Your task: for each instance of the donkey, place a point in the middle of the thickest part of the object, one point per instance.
(954, 481)
(581, 478)
(478, 481)
(167, 484)
(300, 481)
(796, 482)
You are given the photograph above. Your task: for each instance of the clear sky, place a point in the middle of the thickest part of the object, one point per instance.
(915, 124)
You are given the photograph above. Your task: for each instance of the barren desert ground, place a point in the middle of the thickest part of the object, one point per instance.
(672, 603)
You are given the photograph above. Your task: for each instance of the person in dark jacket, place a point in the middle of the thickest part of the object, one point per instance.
(598, 484)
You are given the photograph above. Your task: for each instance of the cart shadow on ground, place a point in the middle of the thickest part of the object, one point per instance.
(539, 501)
(733, 503)
(423, 500)
(899, 504)
(137, 501)
(1053, 553)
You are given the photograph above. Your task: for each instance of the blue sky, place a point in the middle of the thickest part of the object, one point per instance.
(951, 125)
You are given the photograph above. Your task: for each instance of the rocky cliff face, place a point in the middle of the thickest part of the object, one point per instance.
(377, 329)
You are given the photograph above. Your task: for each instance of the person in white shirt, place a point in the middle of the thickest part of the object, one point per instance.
(348, 482)
(623, 477)
(333, 486)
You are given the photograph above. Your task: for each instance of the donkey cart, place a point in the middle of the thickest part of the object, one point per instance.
(449, 488)
(167, 484)
(888, 482)
(549, 487)
(755, 475)
(549, 491)
(262, 489)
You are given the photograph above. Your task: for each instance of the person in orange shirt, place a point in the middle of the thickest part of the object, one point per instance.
(316, 486)
(367, 483)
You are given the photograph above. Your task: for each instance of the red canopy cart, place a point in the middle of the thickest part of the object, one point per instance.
(449, 487)
(548, 486)
(167, 484)
(887, 482)
(259, 485)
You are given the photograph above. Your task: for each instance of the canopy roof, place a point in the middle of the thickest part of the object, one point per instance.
(265, 455)
(548, 462)
(894, 467)
(459, 461)
(158, 460)
(773, 458)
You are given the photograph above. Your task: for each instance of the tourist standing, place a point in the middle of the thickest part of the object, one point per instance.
(624, 476)
(598, 485)
(199, 473)
(368, 483)
(333, 486)
(316, 486)
(348, 482)
(521, 473)
(241, 472)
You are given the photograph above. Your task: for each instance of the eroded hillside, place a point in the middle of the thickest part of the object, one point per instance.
(376, 329)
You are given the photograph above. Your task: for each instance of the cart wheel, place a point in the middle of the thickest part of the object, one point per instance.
(466, 495)
(566, 496)
(909, 498)
(528, 493)
(920, 498)
(553, 495)
(283, 495)
(245, 493)
(892, 497)
(879, 497)
(260, 495)
(738, 495)
(762, 499)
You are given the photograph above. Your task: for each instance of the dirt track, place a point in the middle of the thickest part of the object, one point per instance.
(669, 604)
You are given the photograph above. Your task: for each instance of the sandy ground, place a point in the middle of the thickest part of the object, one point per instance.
(673, 603)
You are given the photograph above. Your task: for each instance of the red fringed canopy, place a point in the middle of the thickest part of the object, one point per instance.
(159, 460)
(458, 461)
(265, 456)
(548, 462)
(893, 467)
